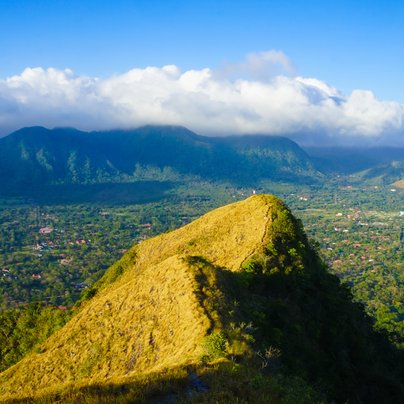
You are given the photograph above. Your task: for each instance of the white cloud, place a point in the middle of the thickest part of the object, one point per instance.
(305, 109)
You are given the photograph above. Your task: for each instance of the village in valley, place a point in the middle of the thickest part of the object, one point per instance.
(51, 254)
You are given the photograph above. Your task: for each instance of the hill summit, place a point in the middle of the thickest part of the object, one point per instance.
(235, 305)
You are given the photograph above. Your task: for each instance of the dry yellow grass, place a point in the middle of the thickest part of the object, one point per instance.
(152, 317)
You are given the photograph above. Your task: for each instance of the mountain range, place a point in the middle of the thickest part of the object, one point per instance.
(37, 156)
(65, 164)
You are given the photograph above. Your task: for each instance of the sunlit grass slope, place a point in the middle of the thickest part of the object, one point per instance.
(235, 307)
(148, 312)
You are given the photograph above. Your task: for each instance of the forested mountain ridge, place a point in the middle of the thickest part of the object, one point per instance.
(38, 156)
(234, 305)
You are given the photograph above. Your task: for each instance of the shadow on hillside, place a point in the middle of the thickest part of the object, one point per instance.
(323, 336)
(174, 385)
(287, 300)
(221, 382)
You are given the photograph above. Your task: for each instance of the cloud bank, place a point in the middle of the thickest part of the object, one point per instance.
(206, 101)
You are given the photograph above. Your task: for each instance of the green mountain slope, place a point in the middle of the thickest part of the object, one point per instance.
(383, 174)
(37, 156)
(233, 306)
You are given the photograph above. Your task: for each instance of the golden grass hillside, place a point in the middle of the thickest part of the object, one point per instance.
(236, 307)
(152, 310)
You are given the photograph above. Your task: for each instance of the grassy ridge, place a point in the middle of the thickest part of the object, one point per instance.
(234, 307)
(150, 316)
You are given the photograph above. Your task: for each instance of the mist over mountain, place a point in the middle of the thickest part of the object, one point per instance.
(252, 96)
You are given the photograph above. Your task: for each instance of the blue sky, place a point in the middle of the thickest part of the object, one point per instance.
(349, 45)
